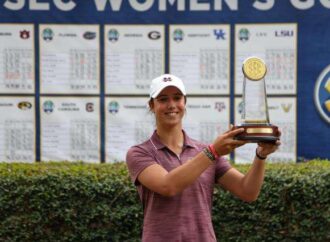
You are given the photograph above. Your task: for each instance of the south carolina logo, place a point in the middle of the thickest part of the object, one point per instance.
(322, 94)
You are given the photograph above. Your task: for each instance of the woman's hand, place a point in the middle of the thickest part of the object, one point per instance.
(264, 149)
(225, 143)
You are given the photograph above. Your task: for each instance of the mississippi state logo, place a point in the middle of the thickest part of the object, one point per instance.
(322, 94)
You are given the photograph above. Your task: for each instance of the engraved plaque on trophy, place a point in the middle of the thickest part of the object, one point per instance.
(255, 117)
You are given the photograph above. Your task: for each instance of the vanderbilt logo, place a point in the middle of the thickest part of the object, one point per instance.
(286, 107)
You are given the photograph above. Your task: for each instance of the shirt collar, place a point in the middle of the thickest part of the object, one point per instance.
(188, 142)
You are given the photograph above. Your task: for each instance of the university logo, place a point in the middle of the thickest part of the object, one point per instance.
(322, 94)
(113, 35)
(244, 35)
(178, 35)
(48, 107)
(24, 105)
(219, 34)
(90, 107)
(24, 34)
(47, 35)
(89, 35)
(219, 106)
(286, 107)
(154, 35)
(113, 107)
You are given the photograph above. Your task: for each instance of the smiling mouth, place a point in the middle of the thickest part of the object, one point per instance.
(171, 113)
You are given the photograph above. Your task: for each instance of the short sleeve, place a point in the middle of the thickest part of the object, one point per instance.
(137, 159)
(221, 167)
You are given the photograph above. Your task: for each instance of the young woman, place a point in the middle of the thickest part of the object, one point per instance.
(175, 174)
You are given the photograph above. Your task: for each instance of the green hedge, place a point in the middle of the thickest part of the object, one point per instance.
(85, 202)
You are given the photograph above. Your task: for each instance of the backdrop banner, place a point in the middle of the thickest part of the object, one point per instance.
(74, 75)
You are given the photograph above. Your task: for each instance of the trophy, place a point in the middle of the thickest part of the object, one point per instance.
(255, 117)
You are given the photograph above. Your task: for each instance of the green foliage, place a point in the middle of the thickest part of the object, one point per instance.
(97, 202)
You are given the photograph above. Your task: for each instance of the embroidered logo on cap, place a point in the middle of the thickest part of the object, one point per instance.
(167, 79)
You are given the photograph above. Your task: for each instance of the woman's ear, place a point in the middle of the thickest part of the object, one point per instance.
(151, 105)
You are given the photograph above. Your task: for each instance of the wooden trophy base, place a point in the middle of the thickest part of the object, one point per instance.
(258, 133)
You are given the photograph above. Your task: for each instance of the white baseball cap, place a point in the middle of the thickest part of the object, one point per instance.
(166, 80)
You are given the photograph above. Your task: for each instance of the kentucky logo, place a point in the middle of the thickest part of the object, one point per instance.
(244, 35)
(48, 107)
(113, 35)
(47, 35)
(219, 34)
(322, 94)
(178, 35)
(24, 34)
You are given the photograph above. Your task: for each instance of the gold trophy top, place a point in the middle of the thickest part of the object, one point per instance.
(254, 68)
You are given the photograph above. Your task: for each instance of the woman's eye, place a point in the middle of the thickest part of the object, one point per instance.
(163, 99)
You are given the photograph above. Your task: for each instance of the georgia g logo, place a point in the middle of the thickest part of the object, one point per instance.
(322, 94)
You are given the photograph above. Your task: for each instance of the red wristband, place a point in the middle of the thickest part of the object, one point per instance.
(214, 152)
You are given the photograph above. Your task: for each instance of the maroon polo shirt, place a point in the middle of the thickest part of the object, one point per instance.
(186, 216)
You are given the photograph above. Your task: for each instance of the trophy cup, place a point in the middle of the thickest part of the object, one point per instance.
(255, 117)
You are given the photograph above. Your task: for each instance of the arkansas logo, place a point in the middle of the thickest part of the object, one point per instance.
(24, 34)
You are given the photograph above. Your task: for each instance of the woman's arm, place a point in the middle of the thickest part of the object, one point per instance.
(157, 179)
(247, 187)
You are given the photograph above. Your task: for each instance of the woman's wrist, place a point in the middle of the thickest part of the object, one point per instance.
(209, 154)
(260, 156)
(213, 150)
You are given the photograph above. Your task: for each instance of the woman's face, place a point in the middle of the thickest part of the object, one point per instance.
(169, 107)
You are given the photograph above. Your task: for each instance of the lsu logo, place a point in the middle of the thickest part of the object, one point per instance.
(322, 94)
